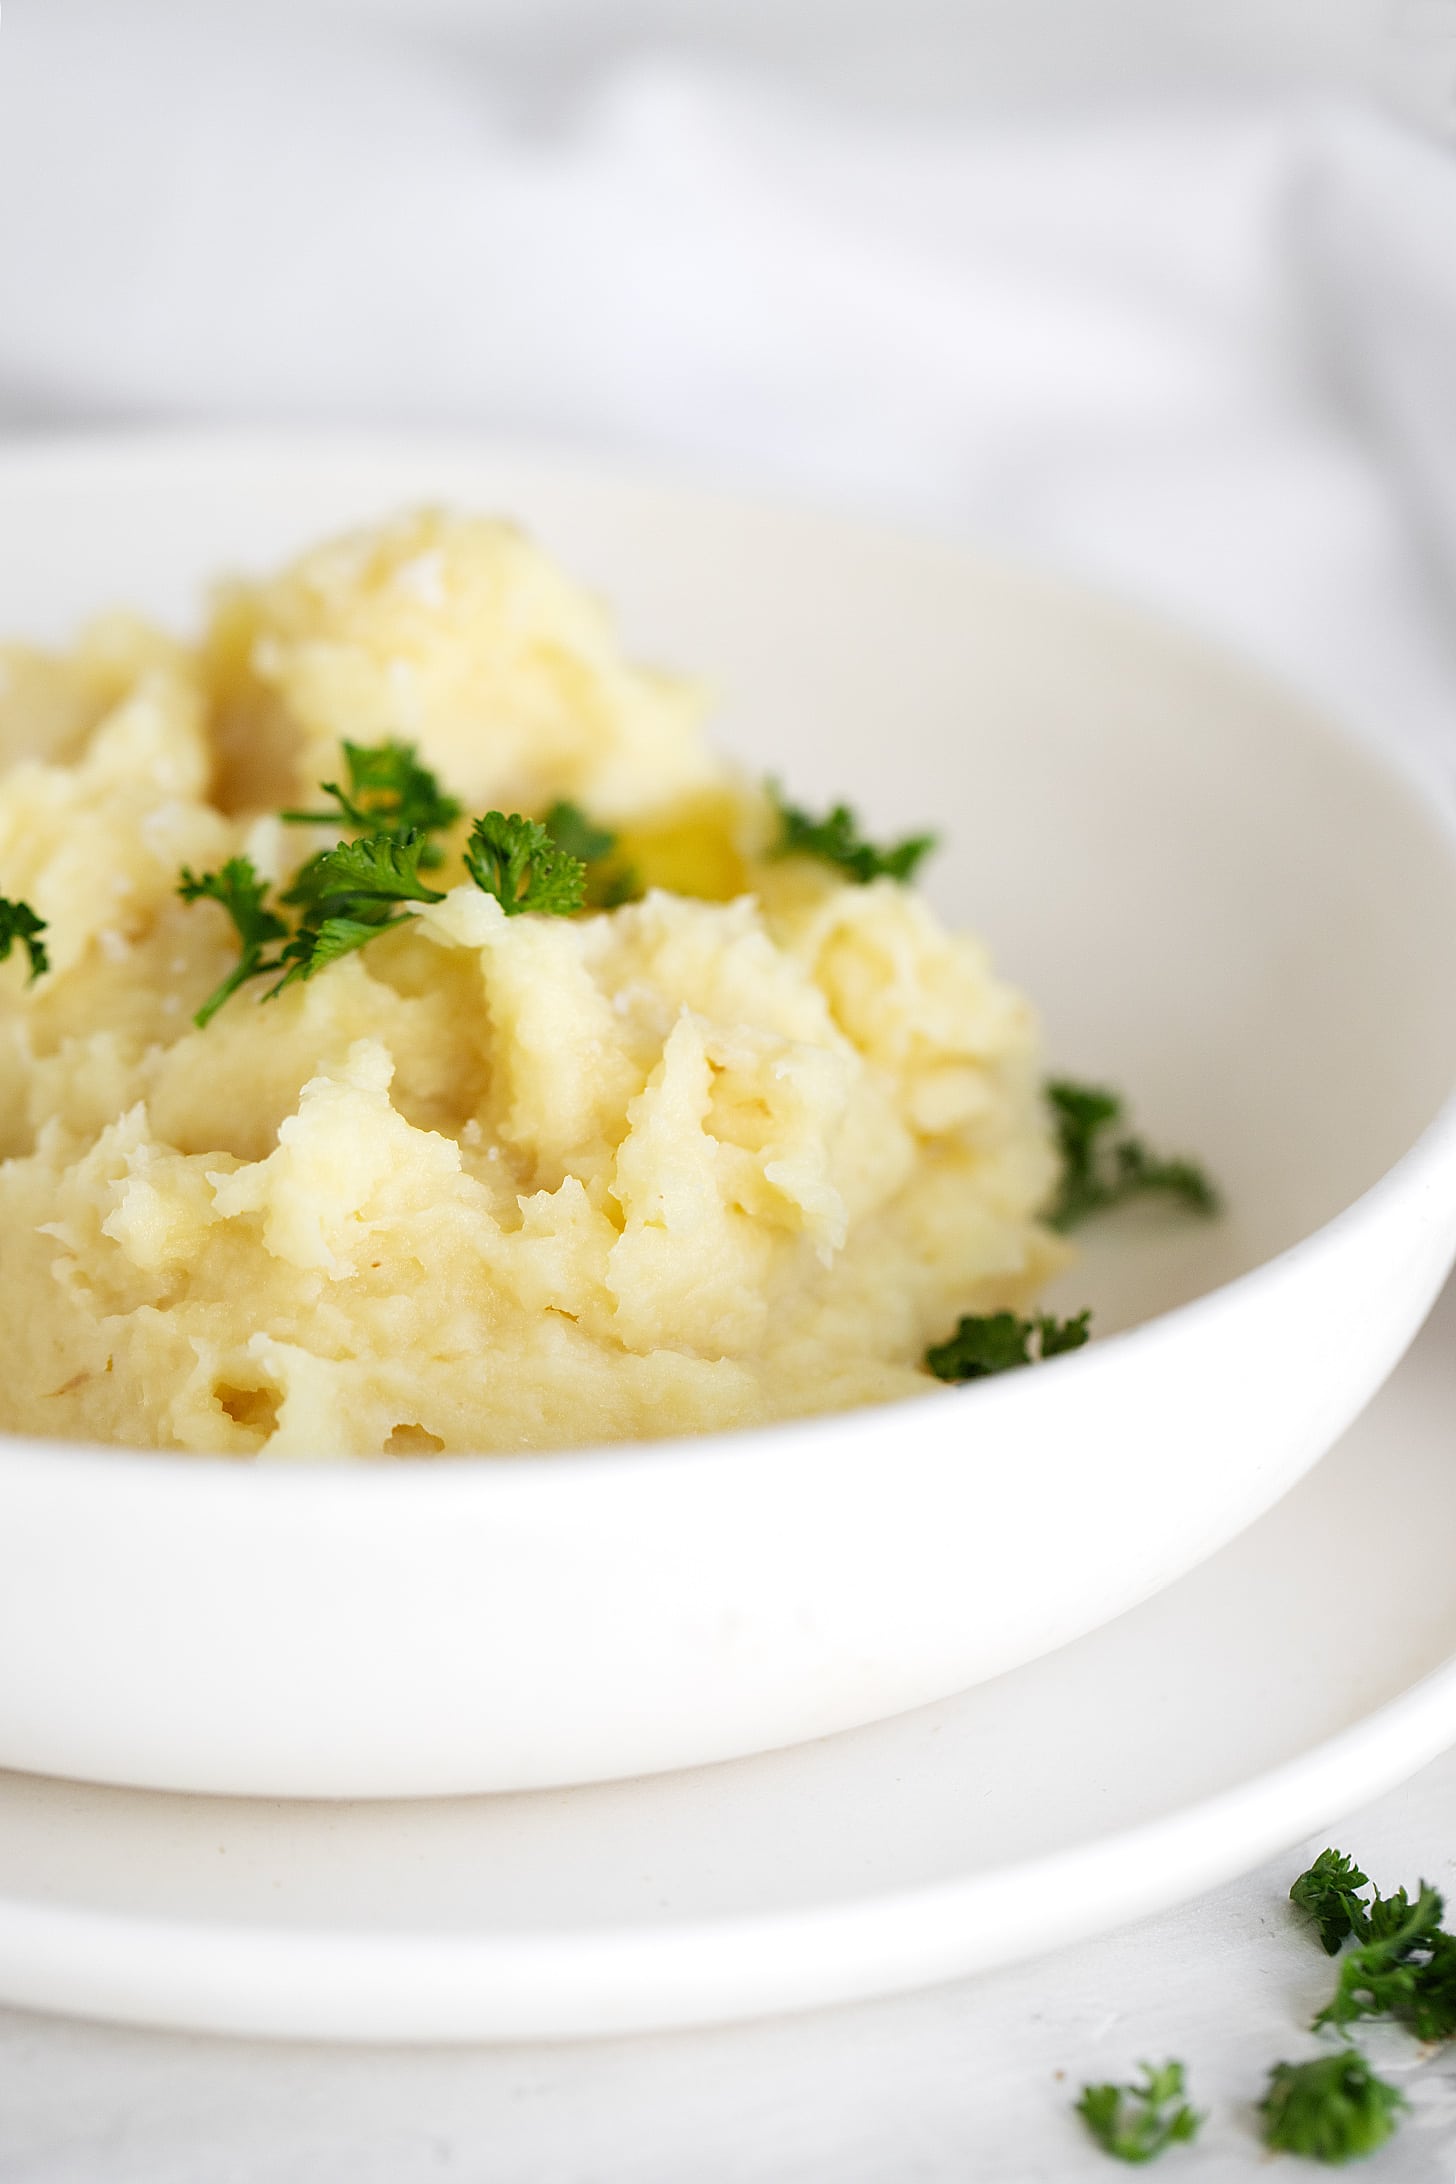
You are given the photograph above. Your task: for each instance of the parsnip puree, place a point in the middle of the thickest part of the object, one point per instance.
(732, 1141)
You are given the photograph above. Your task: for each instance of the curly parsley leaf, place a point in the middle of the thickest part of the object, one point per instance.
(836, 839)
(389, 792)
(1100, 1170)
(348, 896)
(1136, 2123)
(608, 883)
(1405, 1969)
(997, 1342)
(18, 922)
(384, 868)
(238, 890)
(516, 860)
(314, 946)
(1430, 2011)
(572, 831)
(1060, 1335)
(1328, 1892)
(1403, 1965)
(1333, 2109)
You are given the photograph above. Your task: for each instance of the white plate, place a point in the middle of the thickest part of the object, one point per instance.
(1305, 1669)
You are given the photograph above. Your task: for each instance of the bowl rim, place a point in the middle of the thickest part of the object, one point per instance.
(1429, 794)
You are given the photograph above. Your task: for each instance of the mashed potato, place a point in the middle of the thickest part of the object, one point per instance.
(735, 1150)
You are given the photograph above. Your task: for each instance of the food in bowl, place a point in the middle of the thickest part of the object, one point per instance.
(1266, 971)
(339, 1121)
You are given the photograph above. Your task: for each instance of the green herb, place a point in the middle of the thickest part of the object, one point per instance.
(1405, 1969)
(1333, 2109)
(348, 897)
(239, 891)
(1430, 2011)
(1327, 1891)
(1403, 1965)
(1100, 1170)
(997, 1342)
(389, 792)
(384, 868)
(1137, 2122)
(836, 840)
(19, 922)
(516, 860)
(572, 831)
(607, 885)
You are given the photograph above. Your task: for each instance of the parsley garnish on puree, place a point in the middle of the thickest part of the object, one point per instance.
(18, 922)
(836, 840)
(998, 1341)
(1098, 1173)
(347, 896)
(393, 807)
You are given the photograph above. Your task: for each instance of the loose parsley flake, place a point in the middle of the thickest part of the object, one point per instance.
(389, 792)
(836, 840)
(1136, 2123)
(18, 922)
(1405, 1969)
(997, 1342)
(1328, 1892)
(516, 860)
(608, 884)
(1429, 2010)
(1099, 1171)
(1403, 1964)
(1333, 2109)
(244, 896)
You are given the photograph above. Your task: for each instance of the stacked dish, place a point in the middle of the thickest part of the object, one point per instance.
(1214, 898)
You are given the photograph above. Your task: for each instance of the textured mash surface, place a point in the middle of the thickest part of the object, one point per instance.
(736, 1151)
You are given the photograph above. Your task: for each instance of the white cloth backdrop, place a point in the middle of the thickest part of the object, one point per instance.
(1119, 338)
(1208, 353)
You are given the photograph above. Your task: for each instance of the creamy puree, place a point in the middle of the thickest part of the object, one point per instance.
(734, 1151)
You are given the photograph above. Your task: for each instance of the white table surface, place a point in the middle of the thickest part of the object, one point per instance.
(967, 2082)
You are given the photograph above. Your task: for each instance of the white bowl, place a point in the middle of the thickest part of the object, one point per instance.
(1220, 902)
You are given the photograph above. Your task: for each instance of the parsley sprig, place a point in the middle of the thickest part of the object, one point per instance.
(18, 922)
(1100, 1170)
(1328, 1892)
(580, 837)
(1136, 2123)
(1333, 2109)
(1397, 1964)
(349, 896)
(1403, 1964)
(389, 792)
(836, 840)
(517, 861)
(1401, 1969)
(244, 896)
(997, 1342)
(609, 883)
